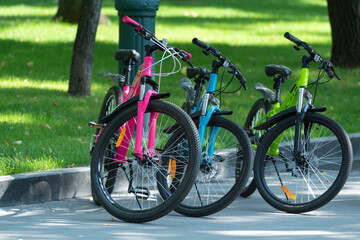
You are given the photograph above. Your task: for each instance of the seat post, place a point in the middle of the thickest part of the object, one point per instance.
(277, 86)
(127, 70)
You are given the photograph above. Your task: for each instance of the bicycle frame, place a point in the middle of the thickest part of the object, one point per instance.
(291, 99)
(138, 87)
(294, 98)
(206, 116)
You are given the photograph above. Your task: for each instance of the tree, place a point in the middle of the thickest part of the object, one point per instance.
(68, 11)
(345, 29)
(82, 58)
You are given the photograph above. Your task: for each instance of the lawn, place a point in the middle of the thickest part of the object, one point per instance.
(44, 128)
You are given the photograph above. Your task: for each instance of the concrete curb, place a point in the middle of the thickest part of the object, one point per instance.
(28, 188)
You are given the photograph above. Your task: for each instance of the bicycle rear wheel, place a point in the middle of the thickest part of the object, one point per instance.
(222, 176)
(112, 99)
(305, 182)
(257, 111)
(134, 195)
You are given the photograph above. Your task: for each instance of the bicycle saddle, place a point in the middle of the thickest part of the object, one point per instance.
(120, 54)
(271, 70)
(202, 72)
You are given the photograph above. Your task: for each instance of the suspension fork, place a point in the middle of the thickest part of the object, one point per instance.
(204, 120)
(126, 130)
(299, 117)
(142, 105)
(300, 113)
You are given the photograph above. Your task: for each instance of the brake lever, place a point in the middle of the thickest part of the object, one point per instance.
(329, 64)
(242, 80)
(337, 76)
(206, 52)
(164, 42)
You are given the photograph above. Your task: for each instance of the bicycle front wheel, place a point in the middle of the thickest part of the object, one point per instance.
(222, 174)
(303, 182)
(133, 194)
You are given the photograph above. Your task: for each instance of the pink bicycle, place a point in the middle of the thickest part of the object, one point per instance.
(147, 152)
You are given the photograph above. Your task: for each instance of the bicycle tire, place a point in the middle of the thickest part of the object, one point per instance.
(257, 111)
(219, 182)
(319, 174)
(112, 99)
(139, 180)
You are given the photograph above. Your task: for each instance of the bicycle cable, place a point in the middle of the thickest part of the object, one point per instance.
(172, 53)
(316, 83)
(175, 60)
(222, 89)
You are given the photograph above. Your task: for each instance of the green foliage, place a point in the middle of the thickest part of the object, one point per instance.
(44, 128)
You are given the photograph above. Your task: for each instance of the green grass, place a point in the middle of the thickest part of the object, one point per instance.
(44, 128)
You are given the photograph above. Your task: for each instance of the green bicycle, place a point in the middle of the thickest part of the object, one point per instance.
(303, 158)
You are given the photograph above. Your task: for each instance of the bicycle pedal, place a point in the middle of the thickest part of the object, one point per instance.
(141, 192)
(96, 125)
(249, 132)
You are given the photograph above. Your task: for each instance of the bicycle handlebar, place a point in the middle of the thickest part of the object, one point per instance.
(208, 49)
(292, 38)
(200, 44)
(132, 22)
(143, 32)
(189, 56)
(183, 54)
(146, 34)
(326, 64)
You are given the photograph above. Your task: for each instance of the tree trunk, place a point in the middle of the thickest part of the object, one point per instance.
(345, 29)
(68, 11)
(82, 58)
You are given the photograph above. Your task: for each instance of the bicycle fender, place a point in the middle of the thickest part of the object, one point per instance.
(264, 91)
(284, 114)
(129, 103)
(195, 116)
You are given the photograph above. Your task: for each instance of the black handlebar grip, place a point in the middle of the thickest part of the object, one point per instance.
(200, 44)
(293, 39)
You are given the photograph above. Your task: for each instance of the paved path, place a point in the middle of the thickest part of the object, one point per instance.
(248, 218)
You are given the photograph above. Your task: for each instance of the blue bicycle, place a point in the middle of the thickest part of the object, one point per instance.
(227, 154)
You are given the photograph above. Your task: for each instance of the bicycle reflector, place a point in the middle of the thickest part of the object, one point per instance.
(288, 192)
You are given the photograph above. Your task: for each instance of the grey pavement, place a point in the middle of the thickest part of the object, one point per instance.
(250, 218)
(36, 187)
(69, 213)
